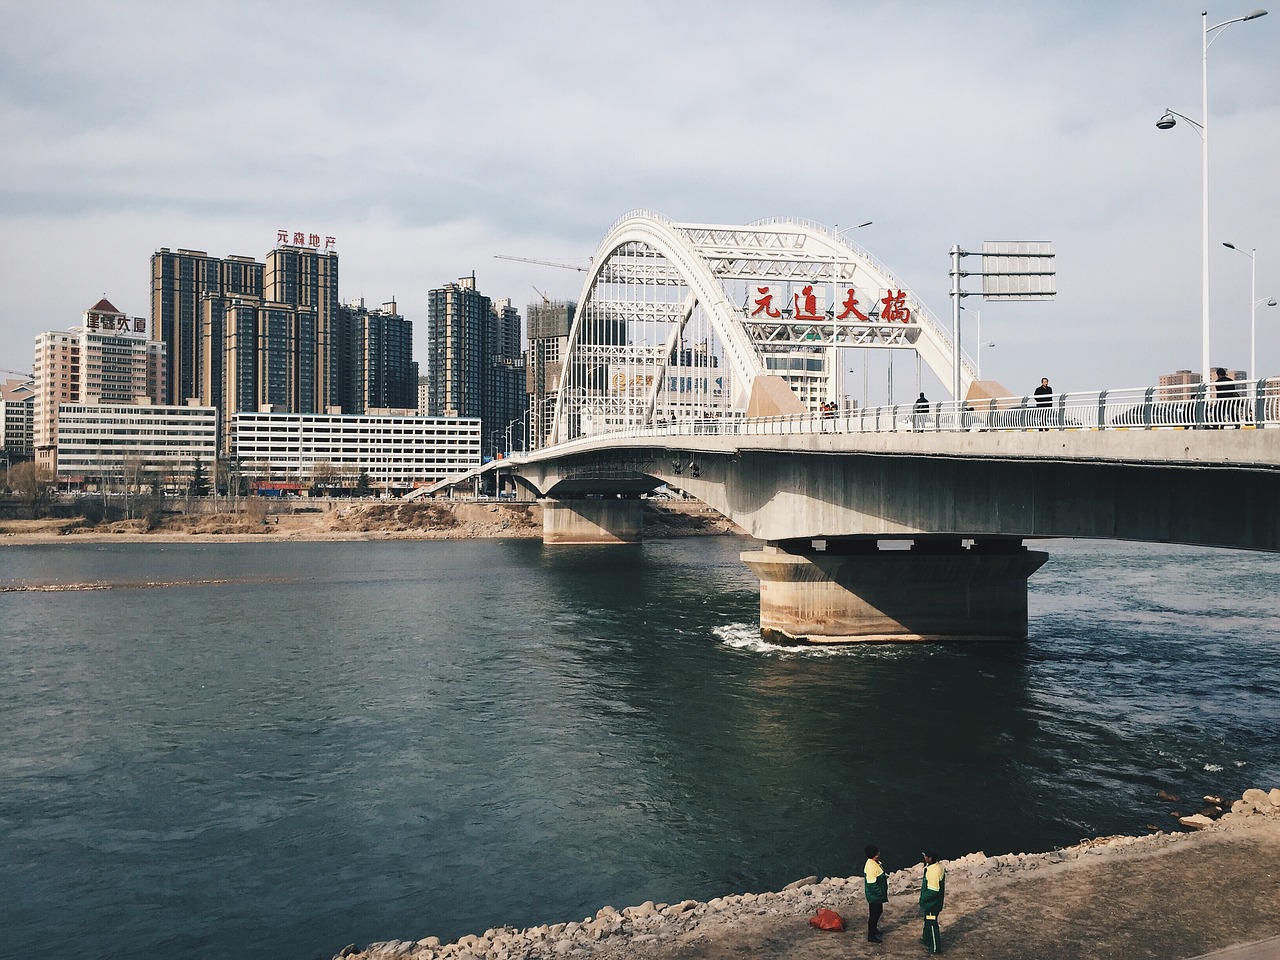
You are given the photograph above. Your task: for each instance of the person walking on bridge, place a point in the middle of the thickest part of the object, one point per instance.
(876, 888)
(1044, 399)
(933, 890)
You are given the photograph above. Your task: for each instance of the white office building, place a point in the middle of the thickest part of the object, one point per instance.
(114, 442)
(397, 453)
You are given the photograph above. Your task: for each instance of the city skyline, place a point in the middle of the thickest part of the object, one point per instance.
(941, 126)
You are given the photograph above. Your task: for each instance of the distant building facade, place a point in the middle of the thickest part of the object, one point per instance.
(254, 337)
(549, 324)
(247, 336)
(107, 360)
(181, 283)
(397, 453)
(475, 365)
(424, 395)
(306, 280)
(17, 403)
(104, 444)
(504, 407)
(375, 359)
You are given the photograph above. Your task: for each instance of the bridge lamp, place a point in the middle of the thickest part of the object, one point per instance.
(836, 365)
(1253, 313)
(1167, 122)
(989, 343)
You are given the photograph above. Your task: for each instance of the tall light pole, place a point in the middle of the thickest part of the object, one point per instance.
(1167, 121)
(835, 299)
(1253, 312)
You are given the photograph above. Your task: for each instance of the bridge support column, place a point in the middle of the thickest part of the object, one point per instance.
(607, 520)
(854, 592)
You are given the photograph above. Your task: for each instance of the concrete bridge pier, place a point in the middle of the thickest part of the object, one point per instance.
(851, 591)
(609, 519)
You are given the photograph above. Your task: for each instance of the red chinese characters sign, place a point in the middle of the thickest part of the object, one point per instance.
(296, 238)
(803, 305)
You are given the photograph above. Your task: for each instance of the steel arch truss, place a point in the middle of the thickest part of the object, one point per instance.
(676, 321)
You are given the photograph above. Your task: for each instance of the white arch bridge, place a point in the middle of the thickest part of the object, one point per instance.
(706, 358)
(683, 322)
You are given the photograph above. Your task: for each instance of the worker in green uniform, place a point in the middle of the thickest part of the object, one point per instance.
(876, 888)
(933, 889)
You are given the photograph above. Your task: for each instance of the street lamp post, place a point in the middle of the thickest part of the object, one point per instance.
(1202, 127)
(510, 442)
(836, 366)
(1253, 312)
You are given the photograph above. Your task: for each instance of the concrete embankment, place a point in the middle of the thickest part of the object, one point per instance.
(1164, 895)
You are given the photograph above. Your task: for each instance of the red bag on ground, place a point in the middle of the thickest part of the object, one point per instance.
(826, 919)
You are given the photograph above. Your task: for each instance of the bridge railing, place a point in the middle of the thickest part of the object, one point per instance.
(1245, 404)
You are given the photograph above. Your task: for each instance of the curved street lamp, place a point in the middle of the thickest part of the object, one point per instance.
(1170, 120)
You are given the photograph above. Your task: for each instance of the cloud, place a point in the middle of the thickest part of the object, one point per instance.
(429, 137)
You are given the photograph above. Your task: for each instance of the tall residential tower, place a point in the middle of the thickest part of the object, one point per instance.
(475, 367)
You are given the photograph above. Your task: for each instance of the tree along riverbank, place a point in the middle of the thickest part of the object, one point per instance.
(260, 519)
(1166, 896)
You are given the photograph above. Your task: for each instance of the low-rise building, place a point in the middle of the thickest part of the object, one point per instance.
(396, 452)
(104, 444)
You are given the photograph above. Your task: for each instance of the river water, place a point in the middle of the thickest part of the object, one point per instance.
(278, 749)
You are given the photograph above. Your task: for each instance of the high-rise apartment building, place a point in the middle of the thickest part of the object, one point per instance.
(247, 336)
(181, 280)
(376, 370)
(108, 360)
(456, 321)
(474, 362)
(307, 280)
(549, 324)
(505, 378)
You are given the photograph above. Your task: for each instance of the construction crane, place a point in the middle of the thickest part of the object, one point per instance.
(545, 263)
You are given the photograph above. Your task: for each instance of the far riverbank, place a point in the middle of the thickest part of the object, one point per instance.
(259, 520)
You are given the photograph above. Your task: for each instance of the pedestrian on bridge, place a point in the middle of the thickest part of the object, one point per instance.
(922, 412)
(1228, 409)
(1044, 399)
(876, 887)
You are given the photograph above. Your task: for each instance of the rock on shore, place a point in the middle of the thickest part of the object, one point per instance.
(615, 933)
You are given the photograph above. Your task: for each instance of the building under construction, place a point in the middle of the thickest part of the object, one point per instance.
(549, 324)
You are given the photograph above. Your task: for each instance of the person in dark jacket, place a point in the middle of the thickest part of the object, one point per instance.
(933, 889)
(921, 412)
(876, 888)
(1044, 400)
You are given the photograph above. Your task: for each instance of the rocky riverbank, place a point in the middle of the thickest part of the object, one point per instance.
(1164, 895)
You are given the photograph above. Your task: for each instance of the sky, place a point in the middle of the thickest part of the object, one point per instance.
(428, 138)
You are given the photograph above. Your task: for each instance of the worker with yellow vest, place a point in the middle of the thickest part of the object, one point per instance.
(876, 888)
(933, 889)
